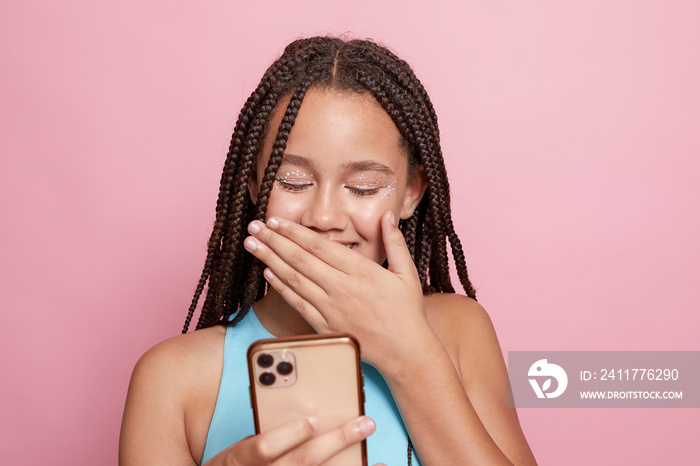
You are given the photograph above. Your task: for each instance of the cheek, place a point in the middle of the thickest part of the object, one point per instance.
(377, 205)
(367, 215)
(285, 206)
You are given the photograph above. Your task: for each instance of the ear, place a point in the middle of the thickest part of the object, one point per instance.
(253, 187)
(415, 190)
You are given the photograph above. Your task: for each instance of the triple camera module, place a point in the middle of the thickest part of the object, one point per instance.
(283, 368)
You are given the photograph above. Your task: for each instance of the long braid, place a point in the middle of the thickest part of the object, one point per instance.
(460, 262)
(235, 261)
(423, 248)
(223, 201)
(409, 229)
(415, 83)
(255, 279)
(223, 205)
(228, 274)
(400, 71)
(418, 136)
(233, 211)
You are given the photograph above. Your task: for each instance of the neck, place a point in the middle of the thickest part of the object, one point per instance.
(279, 318)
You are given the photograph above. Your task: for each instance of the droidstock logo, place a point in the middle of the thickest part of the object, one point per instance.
(546, 371)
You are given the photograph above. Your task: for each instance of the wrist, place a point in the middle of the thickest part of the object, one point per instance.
(416, 355)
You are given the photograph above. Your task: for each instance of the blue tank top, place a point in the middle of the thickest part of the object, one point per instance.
(233, 415)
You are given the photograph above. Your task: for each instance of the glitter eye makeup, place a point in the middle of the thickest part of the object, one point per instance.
(390, 188)
(292, 180)
(364, 186)
(361, 185)
(284, 175)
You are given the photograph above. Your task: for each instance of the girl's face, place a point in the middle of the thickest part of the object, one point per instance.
(342, 169)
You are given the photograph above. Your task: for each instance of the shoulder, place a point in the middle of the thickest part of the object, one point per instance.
(454, 317)
(183, 357)
(183, 372)
(453, 305)
(466, 331)
(171, 397)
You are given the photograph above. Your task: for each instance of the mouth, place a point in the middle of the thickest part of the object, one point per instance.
(352, 246)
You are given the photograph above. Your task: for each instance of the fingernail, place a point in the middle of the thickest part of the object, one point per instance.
(254, 227)
(268, 274)
(313, 422)
(273, 223)
(392, 218)
(366, 426)
(250, 244)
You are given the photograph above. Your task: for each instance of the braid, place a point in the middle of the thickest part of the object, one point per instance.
(235, 261)
(227, 265)
(460, 262)
(255, 280)
(408, 228)
(415, 132)
(223, 202)
(400, 71)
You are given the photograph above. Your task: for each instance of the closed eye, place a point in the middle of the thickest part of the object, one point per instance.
(363, 192)
(292, 186)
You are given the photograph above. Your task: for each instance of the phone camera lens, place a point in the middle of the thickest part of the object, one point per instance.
(285, 368)
(267, 378)
(265, 360)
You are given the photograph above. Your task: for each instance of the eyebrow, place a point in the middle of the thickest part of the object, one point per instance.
(368, 165)
(296, 160)
(357, 166)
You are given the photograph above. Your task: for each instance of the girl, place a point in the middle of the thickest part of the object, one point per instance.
(333, 216)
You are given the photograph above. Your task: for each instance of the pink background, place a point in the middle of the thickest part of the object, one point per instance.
(571, 132)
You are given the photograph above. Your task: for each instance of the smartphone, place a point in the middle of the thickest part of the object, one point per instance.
(310, 375)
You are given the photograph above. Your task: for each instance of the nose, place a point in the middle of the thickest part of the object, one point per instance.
(324, 211)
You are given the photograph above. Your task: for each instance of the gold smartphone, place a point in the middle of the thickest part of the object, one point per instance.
(309, 375)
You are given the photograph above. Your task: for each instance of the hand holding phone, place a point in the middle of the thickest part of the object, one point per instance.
(295, 443)
(317, 377)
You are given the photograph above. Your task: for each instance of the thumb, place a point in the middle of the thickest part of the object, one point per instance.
(397, 254)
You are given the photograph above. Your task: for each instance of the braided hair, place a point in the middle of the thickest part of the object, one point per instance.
(233, 276)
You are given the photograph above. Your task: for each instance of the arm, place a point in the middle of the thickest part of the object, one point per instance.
(153, 427)
(460, 365)
(339, 290)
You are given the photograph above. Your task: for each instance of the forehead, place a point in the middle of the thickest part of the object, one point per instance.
(335, 129)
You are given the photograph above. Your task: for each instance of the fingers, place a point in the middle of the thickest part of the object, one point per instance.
(279, 251)
(330, 252)
(304, 307)
(298, 276)
(293, 444)
(288, 261)
(268, 446)
(323, 447)
(397, 254)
